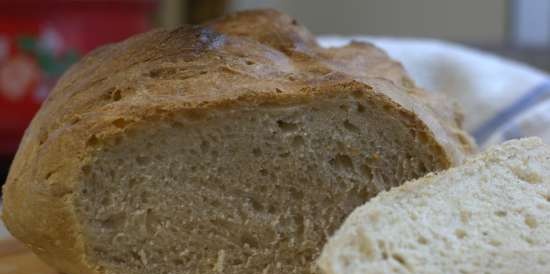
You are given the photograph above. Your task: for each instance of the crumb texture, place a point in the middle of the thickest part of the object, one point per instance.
(255, 191)
(491, 215)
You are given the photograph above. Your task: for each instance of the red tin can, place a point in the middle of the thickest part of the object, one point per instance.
(40, 39)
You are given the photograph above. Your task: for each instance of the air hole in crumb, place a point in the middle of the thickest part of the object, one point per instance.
(400, 260)
(494, 242)
(296, 194)
(92, 141)
(257, 152)
(287, 126)
(501, 213)
(120, 123)
(547, 197)
(261, 188)
(255, 204)
(161, 73)
(99, 250)
(387, 107)
(151, 220)
(248, 62)
(422, 168)
(249, 240)
(86, 169)
(365, 245)
(42, 137)
(215, 203)
(235, 261)
(263, 172)
(464, 216)
(364, 193)
(351, 127)
(75, 120)
(531, 221)
(422, 240)
(106, 201)
(144, 197)
(527, 175)
(308, 254)
(384, 255)
(117, 140)
(298, 141)
(299, 222)
(278, 90)
(142, 160)
(366, 171)
(132, 182)
(344, 107)
(284, 155)
(460, 233)
(358, 93)
(360, 108)
(116, 95)
(135, 256)
(462, 137)
(529, 240)
(114, 221)
(176, 124)
(204, 146)
(272, 209)
(342, 162)
(48, 175)
(149, 145)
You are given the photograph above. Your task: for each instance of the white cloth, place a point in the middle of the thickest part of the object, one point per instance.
(3, 231)
(485, 85)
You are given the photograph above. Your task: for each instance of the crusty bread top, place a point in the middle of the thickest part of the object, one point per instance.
(247, 55)
(489, 215)
(253, 58)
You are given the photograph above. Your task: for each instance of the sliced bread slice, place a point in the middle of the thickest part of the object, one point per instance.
(234, 147)
(490, 215)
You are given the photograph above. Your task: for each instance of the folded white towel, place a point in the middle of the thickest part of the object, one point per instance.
(501, 98)
(3, 231)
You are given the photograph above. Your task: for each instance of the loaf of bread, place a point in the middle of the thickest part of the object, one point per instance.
(233, 147)
(490, 215)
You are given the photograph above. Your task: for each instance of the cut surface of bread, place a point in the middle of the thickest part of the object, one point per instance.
(490, 215)
(233, 147)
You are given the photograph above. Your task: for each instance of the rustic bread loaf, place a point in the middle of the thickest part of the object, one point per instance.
(234, 147)
(490, 215)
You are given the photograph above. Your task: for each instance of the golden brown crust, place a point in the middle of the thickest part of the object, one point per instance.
(248, 58)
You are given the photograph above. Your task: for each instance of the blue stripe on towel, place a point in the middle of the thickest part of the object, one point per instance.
(531, 98)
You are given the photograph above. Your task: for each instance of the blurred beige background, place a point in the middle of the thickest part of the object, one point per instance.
(517, 29)
(483, 22)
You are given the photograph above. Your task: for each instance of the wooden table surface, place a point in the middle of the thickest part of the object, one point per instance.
(15, 258)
